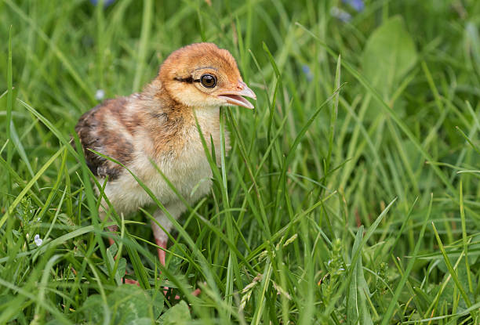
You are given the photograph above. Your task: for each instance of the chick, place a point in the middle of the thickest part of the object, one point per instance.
(158, 125)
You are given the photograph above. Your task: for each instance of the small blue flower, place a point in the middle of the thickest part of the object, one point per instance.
(358, 5)
(106, 3)
(340, 14)
(307, 72)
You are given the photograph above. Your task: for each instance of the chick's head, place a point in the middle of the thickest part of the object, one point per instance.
(201, 75)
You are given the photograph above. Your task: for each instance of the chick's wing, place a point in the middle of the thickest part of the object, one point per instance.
(101, 130)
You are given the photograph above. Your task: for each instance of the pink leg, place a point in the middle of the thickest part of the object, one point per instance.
(162, 243)
(161, 251)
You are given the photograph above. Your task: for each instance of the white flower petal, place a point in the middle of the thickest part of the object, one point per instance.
(38, 240)
(100, 94)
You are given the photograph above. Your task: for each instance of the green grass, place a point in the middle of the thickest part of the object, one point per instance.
(351, 193)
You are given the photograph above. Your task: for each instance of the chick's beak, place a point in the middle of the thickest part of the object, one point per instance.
(234, 97)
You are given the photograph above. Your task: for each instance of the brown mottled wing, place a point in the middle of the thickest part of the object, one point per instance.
(96, 130)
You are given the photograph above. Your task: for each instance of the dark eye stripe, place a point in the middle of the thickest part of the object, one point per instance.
(187, 80)
(205, 83)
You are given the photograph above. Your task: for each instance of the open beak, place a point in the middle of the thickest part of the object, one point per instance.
(234, 97)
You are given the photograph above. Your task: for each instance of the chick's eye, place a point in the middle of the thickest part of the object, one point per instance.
(208, 81)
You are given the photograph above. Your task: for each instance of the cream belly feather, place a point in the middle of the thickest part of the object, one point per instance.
(188, 169)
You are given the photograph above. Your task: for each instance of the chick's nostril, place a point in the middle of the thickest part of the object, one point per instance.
(241, 85)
